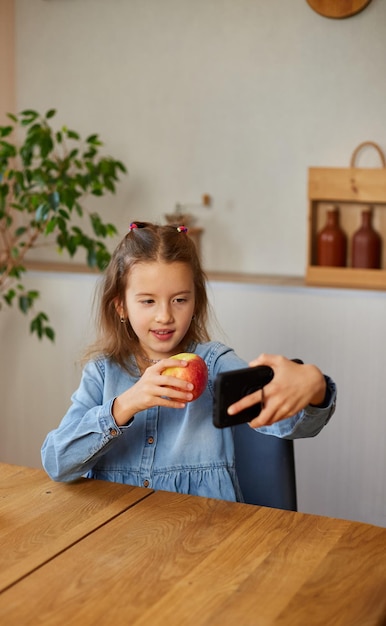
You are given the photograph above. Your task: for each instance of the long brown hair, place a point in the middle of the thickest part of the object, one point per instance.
(145, 242)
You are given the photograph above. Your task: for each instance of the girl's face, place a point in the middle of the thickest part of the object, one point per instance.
(159, 303)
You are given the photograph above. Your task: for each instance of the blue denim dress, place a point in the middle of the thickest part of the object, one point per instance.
(168, 449)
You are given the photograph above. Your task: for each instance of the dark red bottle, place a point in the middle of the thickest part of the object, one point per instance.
(366, 247)
(332, 242)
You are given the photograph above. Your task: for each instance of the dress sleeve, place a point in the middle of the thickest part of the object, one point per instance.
(86, 431)
(306, 423)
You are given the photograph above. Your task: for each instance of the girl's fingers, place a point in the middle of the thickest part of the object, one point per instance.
(245, 402)
(175, 383)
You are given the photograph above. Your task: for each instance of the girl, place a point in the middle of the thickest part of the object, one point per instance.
(128, 422)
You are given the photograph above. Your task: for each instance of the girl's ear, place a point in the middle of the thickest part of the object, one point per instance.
(120, 309)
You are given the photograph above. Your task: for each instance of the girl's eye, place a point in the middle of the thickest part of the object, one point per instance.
(147, 301)
(179, 300)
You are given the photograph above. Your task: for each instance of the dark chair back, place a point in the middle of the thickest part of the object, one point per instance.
(265, 467)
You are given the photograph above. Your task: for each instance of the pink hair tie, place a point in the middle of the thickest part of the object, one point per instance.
(132, 226)
(182, 229)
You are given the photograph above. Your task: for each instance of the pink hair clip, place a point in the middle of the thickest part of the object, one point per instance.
(182, 229)
(132, 226)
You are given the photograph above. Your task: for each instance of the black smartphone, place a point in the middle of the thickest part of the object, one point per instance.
(234, 385)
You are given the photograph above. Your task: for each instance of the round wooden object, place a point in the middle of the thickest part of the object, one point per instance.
(338, 9)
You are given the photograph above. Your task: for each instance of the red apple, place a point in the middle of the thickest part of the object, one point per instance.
(196, 372)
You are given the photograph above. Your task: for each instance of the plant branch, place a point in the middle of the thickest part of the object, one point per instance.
(44, 182)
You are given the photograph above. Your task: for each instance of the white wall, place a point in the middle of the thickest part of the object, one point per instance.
(232, 98)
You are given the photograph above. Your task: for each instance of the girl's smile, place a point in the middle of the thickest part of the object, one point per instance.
(163, 335)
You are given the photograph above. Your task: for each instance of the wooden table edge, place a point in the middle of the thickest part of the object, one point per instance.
(20, 570)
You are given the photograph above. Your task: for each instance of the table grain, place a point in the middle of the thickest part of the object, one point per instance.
(40, 518)
(174, 559)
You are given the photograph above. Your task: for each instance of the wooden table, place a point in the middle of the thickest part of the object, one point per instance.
(40, 518)
(121, 555)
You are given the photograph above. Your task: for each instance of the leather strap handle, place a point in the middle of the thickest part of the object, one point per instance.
(371, 144)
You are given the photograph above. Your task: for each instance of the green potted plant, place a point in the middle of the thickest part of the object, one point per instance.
(45, 177)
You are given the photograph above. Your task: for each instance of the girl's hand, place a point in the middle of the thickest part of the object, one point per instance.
(292, 388)
(153, 389)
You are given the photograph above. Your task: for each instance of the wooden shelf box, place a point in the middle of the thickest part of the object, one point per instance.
(353, 190)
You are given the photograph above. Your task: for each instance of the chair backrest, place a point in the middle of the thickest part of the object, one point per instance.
(265, 467)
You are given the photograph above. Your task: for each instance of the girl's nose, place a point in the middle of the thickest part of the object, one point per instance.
(164, 314)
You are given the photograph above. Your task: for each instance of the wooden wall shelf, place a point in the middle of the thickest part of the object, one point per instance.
(352, 190)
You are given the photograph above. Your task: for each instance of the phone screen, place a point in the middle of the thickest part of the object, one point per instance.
(234, 385)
